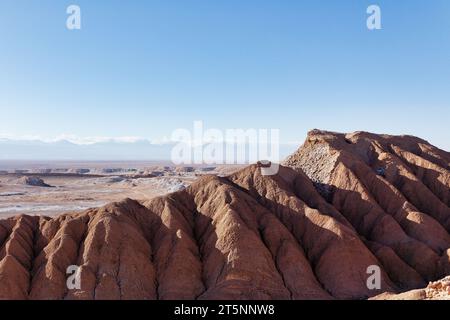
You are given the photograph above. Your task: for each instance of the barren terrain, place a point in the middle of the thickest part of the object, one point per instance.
(75, 186)
(339, 205)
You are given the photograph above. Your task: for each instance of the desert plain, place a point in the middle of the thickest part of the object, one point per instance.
(55, 187)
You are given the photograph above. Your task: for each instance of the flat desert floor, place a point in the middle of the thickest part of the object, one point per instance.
(40, 188)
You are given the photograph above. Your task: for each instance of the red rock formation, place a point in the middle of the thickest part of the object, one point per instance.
(393, 190)
(382, 201)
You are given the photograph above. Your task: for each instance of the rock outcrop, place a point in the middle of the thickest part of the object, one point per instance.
(340, 205)
(437, 290)
(33, 181)
(393, 190)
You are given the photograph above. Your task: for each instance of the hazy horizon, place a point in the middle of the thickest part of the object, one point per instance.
(103, 149)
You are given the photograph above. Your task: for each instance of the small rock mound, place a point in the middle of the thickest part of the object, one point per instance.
(33, 181)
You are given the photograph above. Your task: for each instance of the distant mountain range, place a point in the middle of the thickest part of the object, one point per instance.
(66, 150)
(112, 149)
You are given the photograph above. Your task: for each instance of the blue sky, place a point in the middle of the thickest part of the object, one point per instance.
(145, 68)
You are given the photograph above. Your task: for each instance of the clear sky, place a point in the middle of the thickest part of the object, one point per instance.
(145, 68)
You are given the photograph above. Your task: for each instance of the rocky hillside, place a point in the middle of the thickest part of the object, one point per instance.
(340, 204)
(393, 190)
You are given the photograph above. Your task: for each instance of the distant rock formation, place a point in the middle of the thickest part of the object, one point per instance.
(42, 171)
(111, 170)
(184, 169)
(250, 236)
(33, 181)
(79, 171)
(21, 171)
